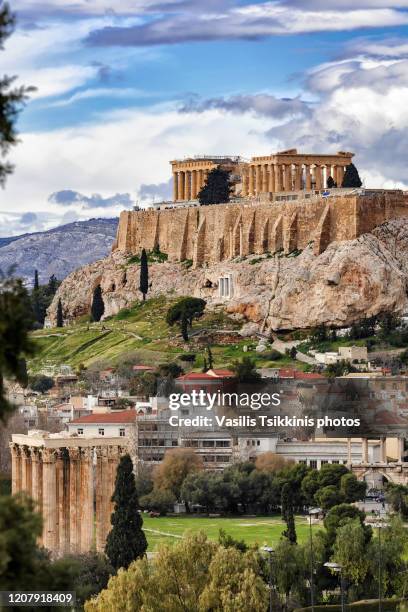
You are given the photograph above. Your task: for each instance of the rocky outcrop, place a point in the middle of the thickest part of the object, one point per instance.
(348, 281)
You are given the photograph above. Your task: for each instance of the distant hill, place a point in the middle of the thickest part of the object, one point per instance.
(58, 251)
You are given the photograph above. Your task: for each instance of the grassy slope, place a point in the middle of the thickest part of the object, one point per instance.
(140, 331)
(260, 530)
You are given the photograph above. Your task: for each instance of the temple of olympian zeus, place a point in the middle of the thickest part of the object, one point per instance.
(71, 481)
(281, 172)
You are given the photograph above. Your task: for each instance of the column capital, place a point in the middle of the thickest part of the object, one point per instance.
(48, 455)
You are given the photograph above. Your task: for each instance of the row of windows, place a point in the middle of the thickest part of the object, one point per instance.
(313, 462)
(101, 431)
(216, 459)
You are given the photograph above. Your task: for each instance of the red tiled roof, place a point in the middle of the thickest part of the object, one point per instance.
(298, 375)
(210, 375)
(122, 416)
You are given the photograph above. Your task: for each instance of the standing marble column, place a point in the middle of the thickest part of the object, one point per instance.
(175, 187)
(63, 500)
(49, 499)
(187, 185)
(24, 470)
(288, 177)
(194, 190)
(271, 187)
(383, 452)
(258, 180)
(74, 499)
(339, 175)
(278, 178)
(308, 178)
(298, 177)
(102, 498)
(251, 181)
(87, 500)
(265, 182)
(15, 468)
(36, 477)
(401, 450)
(181, 185)
(349, 458)
(318, 177)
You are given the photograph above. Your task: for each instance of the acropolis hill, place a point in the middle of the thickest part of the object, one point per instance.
(283, 259)
(279, 204)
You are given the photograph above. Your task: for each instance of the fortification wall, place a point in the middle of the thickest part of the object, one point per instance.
(210, 234)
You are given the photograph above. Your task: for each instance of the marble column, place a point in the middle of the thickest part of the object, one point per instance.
(265, 182)
(288, 177)
(74, 499)
(63, 500)
(318, 177)
(364, 450)
(49, 499)
(36, 477)
(271, 187)
(258, 180)
(86, 499)
(102, 498)
(251, 189)
(349, 459)
(278, 178)
(175, 187)
(339, 175)
(308, 178)
(15, 469)
(187, 185)
(298, 177)
(194, 190)
(401, 450)
(181, 185)
(245, 183)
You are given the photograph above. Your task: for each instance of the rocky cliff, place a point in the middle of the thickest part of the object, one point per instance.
(349, 280)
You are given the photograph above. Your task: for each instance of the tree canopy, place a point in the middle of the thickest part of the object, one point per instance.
(217, 189)
(184, 312)
(351, 177)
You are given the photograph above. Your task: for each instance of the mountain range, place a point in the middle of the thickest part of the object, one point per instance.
(59, 250)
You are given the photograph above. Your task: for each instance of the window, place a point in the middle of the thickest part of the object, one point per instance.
(302, 461)
(258, 443)
(313, 464)
(101, 431)
(222, 443)
(335, 461)
(225, 286)
(174, 443)
(208, 444)
(122, 432)
(80, 431)
(324, 462)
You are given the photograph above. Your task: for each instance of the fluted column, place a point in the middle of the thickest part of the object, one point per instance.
(181, 185)
(251, 187)
(36, 477)
(278, 177)
(102, 498)
(258, 180)
(339, 175)
(15, 468)
(271, 187)
(288, 177)
(245, 183)
(49, 499)
(87, 500)
(308, 178)
(175, 187)
(194, 184)
(401, 449)
(298, 177)
(74, 503)
(265, 182)
(318, 177)
(187, 185)
(63, 500)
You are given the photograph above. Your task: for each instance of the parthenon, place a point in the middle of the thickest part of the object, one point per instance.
(71, 481)
(281, 172)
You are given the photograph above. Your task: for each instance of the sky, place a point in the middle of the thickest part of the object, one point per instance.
(125, 86)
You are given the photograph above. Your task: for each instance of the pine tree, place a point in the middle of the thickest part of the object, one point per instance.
(98, 307)
(126, 541)
(351, 177)
(36, 283)
(217, 189)
(60, 318)
(287, 513)
(144, 275)
(210, 358)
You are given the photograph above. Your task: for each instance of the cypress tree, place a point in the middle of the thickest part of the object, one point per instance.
(144, 275)
(126, 541)
(331, 183)
(217, 189)
(36, 283)
(210, 358)
(98, 307)
(351, 177)
(60, 318)
(287, 513)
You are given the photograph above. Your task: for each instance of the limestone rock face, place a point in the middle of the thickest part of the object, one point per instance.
(348, 281)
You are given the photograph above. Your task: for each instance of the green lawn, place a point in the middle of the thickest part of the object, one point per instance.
(142, 332)
(260, 530)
